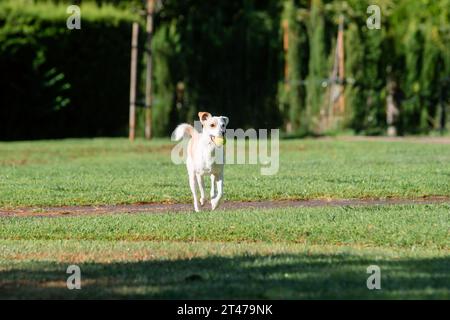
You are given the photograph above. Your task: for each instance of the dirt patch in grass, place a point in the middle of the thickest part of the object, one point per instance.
(229, 205)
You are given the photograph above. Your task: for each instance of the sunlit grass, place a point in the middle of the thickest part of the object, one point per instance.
(111, 171)
(292, 253)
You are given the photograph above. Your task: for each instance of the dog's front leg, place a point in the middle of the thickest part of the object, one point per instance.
(194, 193)
(201, 187)
(215, 201)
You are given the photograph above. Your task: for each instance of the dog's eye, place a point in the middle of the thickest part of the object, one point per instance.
(212, 125)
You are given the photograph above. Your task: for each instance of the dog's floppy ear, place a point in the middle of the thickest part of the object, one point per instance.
(204, 116)
(225, 119)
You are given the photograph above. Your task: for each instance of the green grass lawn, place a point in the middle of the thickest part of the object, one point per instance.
(110, 171)
(292, 253)
(274, 253)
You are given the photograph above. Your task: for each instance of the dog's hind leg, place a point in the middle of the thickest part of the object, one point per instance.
(201, 187)
(194, 193)
(213, 186)
(215, 201)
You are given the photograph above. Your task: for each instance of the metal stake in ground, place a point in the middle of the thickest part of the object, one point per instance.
(148, 87)
(134, 54)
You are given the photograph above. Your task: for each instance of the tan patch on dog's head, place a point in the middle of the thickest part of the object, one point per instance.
(204, 116)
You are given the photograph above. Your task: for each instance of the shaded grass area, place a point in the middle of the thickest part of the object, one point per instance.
(221, 270)
(297, 253)
(112, 171)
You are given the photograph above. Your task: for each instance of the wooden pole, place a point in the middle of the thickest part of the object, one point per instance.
(285, 25)
(341, 102)
(148, 87)
(133, 73)
(392, 111)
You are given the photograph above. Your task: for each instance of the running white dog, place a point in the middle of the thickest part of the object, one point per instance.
(200, 155)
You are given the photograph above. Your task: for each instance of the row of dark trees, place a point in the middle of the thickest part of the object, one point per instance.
(229, 57)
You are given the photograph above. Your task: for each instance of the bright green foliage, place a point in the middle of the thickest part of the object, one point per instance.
(166, 76)
(423, 37)
(413, 58)
(293, 93)
(354, 93)
(373, 82)
(429, 78)
(412, 43)
(317, 64)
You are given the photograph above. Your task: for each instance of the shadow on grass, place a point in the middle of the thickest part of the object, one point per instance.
(284, 276)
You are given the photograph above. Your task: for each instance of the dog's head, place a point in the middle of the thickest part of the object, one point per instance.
(215, 127)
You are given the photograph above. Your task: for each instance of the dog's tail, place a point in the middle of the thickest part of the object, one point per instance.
(182, 130)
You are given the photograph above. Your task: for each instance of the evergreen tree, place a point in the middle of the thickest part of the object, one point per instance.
(317, 65)
(296, 60)
(374, 81)
(354, 90)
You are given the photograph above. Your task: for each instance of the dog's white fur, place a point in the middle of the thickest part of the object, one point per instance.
(200, 156)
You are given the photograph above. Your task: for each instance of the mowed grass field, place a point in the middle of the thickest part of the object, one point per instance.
(111, 171)
(307, 253)
(284, 253)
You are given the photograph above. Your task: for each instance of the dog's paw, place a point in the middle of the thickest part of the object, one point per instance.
(202, 202)
(214, 203)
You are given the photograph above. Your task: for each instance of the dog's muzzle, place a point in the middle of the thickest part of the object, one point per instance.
(218, 141)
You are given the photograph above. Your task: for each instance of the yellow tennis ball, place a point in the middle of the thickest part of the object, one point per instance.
(220, 141)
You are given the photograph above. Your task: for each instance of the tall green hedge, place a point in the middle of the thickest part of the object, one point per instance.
(293, 93)
(412, 47)
(57, 82)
